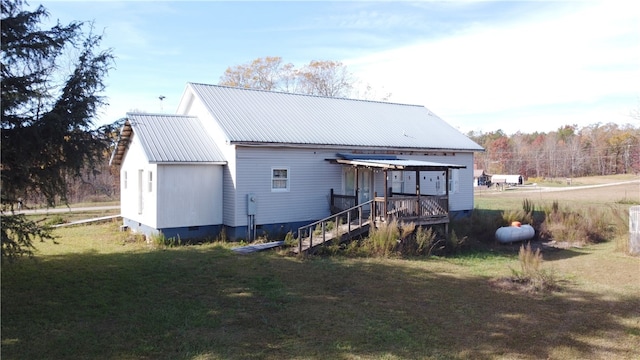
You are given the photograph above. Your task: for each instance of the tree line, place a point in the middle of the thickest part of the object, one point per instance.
(570, 151)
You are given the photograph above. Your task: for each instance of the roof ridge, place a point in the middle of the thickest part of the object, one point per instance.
(304, 95)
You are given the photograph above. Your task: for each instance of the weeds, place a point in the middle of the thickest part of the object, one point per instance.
(55, 220)
(531, 275)
(161, 241)
(582, 226)
(383, 240)
(290, 240)
(524, 215)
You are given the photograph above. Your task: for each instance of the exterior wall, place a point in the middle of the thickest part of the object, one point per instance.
(310, 179)
(134, 185)
(190, 105)
(190, 195)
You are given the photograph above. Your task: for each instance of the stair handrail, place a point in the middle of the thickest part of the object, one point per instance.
(336, 215)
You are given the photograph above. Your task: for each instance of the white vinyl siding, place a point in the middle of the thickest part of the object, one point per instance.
(136, 202)
(192, 195)
(310, 179)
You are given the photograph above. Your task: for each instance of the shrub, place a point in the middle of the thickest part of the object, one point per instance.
(55, 220)
(582, 226)
(382, 240)
(531, 274)
(535, 180)
(524, 215)
(454, 243)
(290, 240)
(416, 241)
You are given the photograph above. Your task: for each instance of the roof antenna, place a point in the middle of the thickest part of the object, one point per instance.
(161, 97)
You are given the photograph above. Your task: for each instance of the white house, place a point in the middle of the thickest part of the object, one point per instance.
(508, 179)
(253, 162)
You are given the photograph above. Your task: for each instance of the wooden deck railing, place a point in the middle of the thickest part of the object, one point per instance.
(342, 202)
(426, 208)
(343, 223)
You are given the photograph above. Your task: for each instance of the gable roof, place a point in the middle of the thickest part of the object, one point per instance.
(169, 139)
(266, 117)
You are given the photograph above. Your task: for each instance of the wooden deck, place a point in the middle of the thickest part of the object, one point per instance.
(421, 210)
(356, 220)
(344, 232)
(341, 226)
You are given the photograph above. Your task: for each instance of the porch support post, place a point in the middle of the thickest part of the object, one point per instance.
(446, 185)
(386, 196)
(418, 207)
(357, 184)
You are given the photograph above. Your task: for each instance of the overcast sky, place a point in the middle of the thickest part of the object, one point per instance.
(480, 65)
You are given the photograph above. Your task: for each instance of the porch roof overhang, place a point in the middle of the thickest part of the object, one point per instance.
(398, 164)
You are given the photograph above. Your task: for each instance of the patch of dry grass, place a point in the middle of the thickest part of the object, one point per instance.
(96, 295)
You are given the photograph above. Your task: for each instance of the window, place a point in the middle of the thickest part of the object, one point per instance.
(279, 179)
(397, 182)
(150, 181)
(125, 180)
(454, 186)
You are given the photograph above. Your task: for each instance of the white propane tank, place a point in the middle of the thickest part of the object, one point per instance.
(515, 232)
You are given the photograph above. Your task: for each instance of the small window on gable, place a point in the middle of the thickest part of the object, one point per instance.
(280, 179)
(150, 181)
(124, 185)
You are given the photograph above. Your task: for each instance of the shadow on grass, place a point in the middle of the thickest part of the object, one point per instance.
(206, 302)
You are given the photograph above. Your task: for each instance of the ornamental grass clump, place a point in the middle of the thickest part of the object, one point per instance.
(383, 240)
(524, 215)
(581, 226)
(531, 275)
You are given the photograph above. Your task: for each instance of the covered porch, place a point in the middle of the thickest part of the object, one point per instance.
(406, 206)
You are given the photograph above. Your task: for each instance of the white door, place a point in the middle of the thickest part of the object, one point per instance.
(365, 183)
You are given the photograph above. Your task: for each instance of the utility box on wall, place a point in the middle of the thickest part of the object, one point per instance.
(252, 204)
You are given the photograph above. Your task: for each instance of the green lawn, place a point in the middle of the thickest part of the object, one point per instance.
(99, 294)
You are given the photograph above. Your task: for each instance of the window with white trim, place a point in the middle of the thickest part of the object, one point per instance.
(279, 179)
(125, 180)
(150, 181)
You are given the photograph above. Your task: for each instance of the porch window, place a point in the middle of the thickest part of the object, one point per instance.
(397, 182)
(454, 186)
(279, 179)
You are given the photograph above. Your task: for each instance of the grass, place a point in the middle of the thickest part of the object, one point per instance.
(99, 293)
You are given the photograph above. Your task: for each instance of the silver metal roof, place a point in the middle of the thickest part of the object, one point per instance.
(399, 164)
(256, 116)
(174, 138)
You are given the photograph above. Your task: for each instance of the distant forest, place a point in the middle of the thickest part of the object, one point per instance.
(599, 149)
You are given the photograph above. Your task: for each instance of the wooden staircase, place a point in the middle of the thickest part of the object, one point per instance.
(339, 227)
